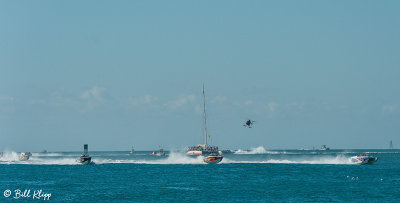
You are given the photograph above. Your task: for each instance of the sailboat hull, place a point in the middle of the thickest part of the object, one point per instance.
(203, 152)
(194, 153)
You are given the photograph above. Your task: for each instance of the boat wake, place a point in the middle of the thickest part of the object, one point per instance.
(172, 158)
(9, 156)
(255, 150)
(261, 156)
(47, 154)
(339, 160)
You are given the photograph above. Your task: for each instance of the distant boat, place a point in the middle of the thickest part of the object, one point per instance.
(213, 159)
(44, 151)
(203, 149)
(324, 148)
(391, 145)
(132, 150)
(24, 156)
(160, 152)
(227, 151)
(359, 159)
(85, 159)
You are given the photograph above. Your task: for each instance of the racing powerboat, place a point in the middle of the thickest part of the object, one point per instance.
(84, 159)
(160, 152)
(24, 156)
(365, 159)
(213, 159)
(324, 147)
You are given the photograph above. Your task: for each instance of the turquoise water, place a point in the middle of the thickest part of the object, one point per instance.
(248, 176)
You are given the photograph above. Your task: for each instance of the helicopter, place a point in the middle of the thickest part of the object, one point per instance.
(249, 123)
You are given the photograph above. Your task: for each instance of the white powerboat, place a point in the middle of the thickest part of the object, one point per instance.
(24, 156)
(359, 159)
(324, 148)
(160, 152)
(85, 159)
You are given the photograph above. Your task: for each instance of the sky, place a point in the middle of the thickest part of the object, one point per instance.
(116, 74)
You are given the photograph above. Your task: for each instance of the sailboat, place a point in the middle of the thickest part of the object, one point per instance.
(203, 149)
(391, 145)
(132, 151)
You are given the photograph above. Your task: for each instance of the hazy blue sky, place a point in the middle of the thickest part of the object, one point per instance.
(119, 73)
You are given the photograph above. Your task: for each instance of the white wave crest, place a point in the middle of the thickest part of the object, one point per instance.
(9, 156)
(47, 154)
(181, 158)
(175, 158)
(255, 150)
(340, 159)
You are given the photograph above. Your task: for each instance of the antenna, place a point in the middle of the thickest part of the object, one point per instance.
(205, 117)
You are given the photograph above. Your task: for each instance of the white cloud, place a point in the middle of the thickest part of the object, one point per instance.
(181, 101)
(295, 106)
(6, 104)
(92, 97)
(85, 101)
(219, 99)
(93, 94)
(5, 98)
(272, 107)
(146, 99)
(389, 108)
(61, 98)
(198, 109)
(249, 102)
(37, 101)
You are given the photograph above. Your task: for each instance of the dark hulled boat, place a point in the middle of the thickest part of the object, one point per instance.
(85, 159)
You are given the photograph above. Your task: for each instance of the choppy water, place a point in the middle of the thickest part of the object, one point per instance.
(246, 176)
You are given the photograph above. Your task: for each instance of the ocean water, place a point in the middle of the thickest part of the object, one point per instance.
(256, 175)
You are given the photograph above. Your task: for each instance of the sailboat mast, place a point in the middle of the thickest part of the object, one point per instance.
(205, 118)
